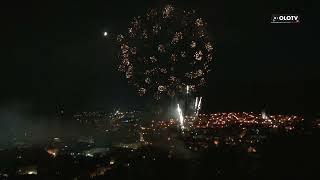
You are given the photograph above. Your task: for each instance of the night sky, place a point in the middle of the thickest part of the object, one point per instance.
(53, 54)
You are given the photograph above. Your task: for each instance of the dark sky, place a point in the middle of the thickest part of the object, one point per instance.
(53, 54)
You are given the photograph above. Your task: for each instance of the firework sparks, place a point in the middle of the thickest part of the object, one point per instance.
(168, 9)
(181, 119)
(165, 52)
(197, 105)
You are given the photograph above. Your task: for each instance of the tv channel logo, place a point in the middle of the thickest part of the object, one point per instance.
(285, 18)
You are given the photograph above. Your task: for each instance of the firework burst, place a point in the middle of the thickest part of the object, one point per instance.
(166, 51)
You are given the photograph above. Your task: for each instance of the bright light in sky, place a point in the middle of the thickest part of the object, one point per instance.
(105, 34)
